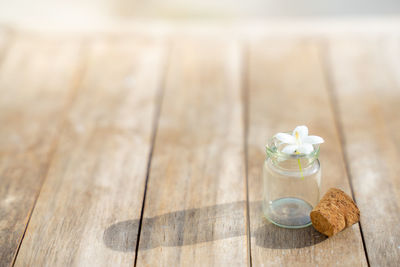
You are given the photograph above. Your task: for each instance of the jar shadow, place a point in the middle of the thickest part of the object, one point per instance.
(207, 224)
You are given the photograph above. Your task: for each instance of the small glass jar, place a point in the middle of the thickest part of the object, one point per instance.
(291, 185)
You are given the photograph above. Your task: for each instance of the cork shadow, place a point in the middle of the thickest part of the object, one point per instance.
(208, 224)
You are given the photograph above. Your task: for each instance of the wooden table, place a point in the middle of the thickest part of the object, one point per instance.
(144, 148)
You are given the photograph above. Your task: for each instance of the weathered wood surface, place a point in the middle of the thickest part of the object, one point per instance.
(36, 83)
(95, 183)
(286, 87)
(365, 79)
(195, 209)
(84, 124)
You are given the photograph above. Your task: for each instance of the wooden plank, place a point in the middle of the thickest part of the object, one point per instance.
(36, 78)
(195, 209)
(96, 179)
(366, 83)
(286, 88)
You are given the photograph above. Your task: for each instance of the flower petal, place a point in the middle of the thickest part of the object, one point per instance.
(305, 148)
(285, 138)
(302, 130)
(313, 139)
(290, 149)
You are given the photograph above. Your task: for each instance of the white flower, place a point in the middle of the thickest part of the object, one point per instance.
(299, 142)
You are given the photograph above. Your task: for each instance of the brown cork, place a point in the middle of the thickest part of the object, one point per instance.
(334, 212)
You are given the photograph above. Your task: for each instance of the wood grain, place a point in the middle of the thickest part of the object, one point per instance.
(195, 209)
(36, 78)
(97, 175)
(366, 83)
(286, 88)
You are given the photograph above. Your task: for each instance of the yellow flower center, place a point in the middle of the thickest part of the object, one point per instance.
(298, 139)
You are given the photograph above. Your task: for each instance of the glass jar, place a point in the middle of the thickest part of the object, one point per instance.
(291, 185)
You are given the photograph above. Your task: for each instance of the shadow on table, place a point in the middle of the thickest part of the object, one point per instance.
(206, 224)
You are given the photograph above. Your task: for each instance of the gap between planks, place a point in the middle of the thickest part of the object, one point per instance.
(156, 119)
(245, 100)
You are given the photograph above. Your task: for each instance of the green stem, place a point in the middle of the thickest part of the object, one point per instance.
(301, 170)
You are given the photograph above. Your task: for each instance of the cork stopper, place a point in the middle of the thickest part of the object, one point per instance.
(335, 212)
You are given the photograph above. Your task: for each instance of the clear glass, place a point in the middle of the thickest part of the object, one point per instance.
(291, 185)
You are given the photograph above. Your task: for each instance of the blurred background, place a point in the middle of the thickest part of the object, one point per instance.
(90, 14)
